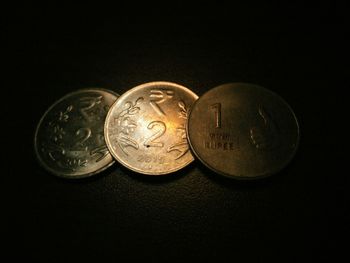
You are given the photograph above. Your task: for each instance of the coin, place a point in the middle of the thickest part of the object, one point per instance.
(69, 140)
(145, 129)
(242, 131)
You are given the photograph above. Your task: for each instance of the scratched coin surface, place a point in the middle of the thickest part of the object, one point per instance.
(243, 131)
(145, 129)
(69, 140)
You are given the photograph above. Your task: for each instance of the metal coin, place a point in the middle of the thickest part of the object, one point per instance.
(145, 129)
(243, 131)
(69, 140)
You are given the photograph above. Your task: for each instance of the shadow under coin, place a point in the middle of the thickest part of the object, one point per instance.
(159, 179)
(84, 180)
(238, 183)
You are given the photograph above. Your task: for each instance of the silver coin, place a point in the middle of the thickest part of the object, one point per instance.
(145, 128)
(69, 140)
(243, 131)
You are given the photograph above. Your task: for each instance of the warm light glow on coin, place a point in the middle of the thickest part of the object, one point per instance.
(145, 129)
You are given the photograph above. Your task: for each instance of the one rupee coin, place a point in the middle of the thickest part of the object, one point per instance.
(243, 131)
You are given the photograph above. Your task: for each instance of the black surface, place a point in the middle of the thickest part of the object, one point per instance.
(297, 215)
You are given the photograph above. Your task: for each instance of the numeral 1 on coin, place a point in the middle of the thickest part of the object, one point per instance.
(217, 111)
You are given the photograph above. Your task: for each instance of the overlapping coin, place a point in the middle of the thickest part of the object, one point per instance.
(69, 140)
(145, 129)
(243, 131)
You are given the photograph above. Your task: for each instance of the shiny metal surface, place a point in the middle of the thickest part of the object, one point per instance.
(69, 140)
(243, 131)
(145, 128)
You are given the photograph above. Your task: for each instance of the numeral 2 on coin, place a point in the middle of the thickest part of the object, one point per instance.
(83, 134)
(150, 141)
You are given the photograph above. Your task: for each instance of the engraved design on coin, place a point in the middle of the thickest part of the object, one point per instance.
(182, 145)
(127, 125)
(101, 151)
(57, 130)
(152, 140)
(158, 96)
(86, 105)
(67, 156)
(69, 139)
(55, 147)
(216, 107)
(264, 136)
(242, 131)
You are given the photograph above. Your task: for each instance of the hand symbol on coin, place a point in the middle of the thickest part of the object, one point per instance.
(264, 135)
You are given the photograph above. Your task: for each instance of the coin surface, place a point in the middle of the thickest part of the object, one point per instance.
(69, 140)
(243, 131)
(145, 129)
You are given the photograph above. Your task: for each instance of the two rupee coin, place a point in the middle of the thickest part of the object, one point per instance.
(145, 129)
(69, 140)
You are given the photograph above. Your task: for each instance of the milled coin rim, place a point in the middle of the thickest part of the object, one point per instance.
(238, 177)
(109, 114)
(38, 156)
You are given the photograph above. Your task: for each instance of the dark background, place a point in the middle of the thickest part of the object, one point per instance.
(296, 50)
